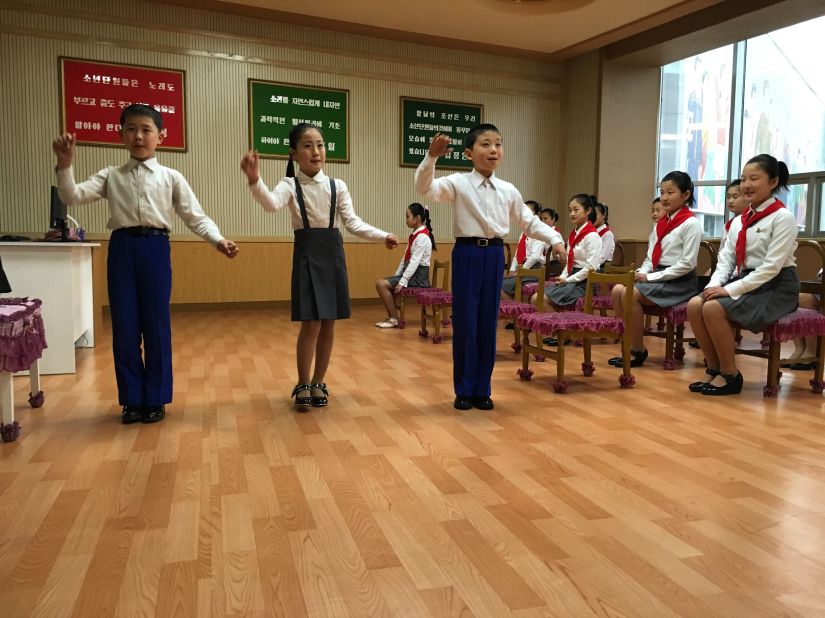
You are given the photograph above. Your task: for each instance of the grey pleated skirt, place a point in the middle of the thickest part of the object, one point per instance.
(508, 284)
(672, 292)
(565, 294)
(763, 306)
(419, 279)
(320, 290)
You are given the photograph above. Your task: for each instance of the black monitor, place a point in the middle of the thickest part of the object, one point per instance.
(57, 215)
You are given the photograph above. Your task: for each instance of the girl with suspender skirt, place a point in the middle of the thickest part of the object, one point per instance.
(320, 294)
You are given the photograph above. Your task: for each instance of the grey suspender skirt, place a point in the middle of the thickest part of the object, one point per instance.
(319, 272)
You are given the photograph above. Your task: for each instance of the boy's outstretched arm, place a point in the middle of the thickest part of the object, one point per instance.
(64, 148)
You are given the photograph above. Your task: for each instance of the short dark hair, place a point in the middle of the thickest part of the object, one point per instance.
(773, 168)
(472, 136)
(656, 200)
(139, 109)
(683, 181)
(733, 183)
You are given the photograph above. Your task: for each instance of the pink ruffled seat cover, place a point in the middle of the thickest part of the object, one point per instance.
(676, 315)
(434, 296)
(410, 292)
(514, 308)
(22, 335)
(548, 324)
(800, 323)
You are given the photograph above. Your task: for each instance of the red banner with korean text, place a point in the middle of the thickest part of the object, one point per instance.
(94, 94)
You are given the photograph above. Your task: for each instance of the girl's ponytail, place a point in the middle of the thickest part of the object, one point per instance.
(429, 225)
(290, 168)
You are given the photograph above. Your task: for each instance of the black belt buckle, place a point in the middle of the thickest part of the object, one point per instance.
(482, 242)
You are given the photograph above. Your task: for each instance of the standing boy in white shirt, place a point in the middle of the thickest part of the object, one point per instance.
(142, 196)
(482, 205)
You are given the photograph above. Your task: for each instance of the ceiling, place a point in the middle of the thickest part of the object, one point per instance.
(549, 29)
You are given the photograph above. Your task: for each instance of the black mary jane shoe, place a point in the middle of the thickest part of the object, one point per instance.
(462, 403)
(153, 414)
(637, 359)
(302, 404)
(732, 386)
(482, 403)
(698, 387)
(131, 414)
(319, 401)
(802, 366)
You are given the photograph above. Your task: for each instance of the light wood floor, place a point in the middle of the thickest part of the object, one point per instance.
(602, 502)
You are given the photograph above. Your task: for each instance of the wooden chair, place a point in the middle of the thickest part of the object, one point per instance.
(675, 318)
(512, 309)
(434, 302)
(508, 258)
(618, 255)
(582, 325)
(408, 295)
(800, 323)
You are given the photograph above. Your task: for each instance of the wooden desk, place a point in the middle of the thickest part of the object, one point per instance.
(60, 274)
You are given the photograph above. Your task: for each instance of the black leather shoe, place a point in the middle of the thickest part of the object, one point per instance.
(319, 401)
(550, 341)
(131, 414)
(483, 403)
(303, 402)
(153, 414)
(509, 326)
(698, 387)
(637, 359)
(732, 386)
(802, 366)
(694, 345)
(462, 403)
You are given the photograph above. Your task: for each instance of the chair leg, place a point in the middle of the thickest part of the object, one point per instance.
(817, 385)
(524, 373)
(772, 387)
(626, 380)
(560, 386)
(679, 344)
(9, 428)
(422, 332)
(437, 323)
(36, 396)
(668, 362)
(588, 368)
(516, 337)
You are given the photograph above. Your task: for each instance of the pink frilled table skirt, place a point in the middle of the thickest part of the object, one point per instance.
(22, 341)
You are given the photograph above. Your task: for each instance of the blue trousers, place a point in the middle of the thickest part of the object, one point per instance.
(139, 272)
(476, 275)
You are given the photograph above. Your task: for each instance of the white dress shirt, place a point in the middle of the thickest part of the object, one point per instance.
(608, 244)
(586, 255)
(317, 203)
(680, 251)
(140, 193)
(481, 206)
(535, 255)
(771, 246)
(420, 254)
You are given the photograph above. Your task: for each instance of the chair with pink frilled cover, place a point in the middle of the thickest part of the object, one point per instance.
(409, 295)
(512, 309)
(578, 325)
(22, 341)
(801, 323)
(675, 319)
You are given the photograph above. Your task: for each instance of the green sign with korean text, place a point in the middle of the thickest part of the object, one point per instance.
(274, 108)
(421, 119)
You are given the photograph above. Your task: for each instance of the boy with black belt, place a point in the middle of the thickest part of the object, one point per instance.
(482, 205)
(142, 196)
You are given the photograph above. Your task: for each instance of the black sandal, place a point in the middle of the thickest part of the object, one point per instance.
(698, 387)
(319, 401)
(302, 403)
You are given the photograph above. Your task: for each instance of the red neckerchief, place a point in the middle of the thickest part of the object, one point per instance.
(664, 227)
(408, 254)
(574, 240)
(521, 252)
(603, 231)
(749, 217)
(727, 224)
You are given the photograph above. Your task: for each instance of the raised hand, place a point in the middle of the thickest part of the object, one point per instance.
(64, 148)
(251, 166)
(441, 145)
(228, 248)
